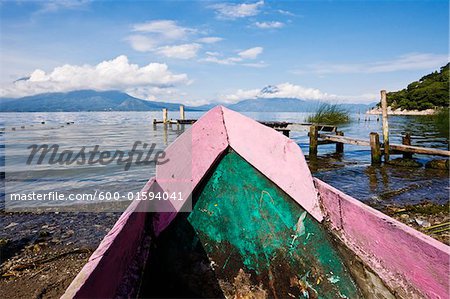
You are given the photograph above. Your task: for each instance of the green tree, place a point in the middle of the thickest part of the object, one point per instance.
(430, 91)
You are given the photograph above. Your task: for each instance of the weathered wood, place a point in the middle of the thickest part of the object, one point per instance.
(165, 116)
(186, 121)
(313, 135)
(406, 140)
(321, 142)
(339, 145)
(284, 124)
(155, 122)
(275, 124)
(375, 150)
(376, 146)
(342, 139)
(326, 128)
(419, 150)
(287, 252)
(385, 125)
(182, 116)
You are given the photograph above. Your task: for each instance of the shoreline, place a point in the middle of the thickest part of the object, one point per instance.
(378, 111)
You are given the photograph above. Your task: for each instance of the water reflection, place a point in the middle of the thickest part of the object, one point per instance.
(377, 174)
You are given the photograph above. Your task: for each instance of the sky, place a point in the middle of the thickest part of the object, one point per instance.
(198, 52)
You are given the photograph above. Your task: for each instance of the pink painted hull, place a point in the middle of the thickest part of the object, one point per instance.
(409, 263)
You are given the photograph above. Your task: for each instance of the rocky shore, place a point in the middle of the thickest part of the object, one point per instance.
(377, 111)
(41, 253)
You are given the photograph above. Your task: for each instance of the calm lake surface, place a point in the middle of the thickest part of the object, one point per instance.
(350, 172)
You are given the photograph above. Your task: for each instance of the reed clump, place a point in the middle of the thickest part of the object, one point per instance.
(442, 120)
(330, 114)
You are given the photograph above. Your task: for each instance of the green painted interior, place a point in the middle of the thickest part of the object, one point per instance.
(244, 221)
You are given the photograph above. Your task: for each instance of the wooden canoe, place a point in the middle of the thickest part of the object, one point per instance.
(260, 227)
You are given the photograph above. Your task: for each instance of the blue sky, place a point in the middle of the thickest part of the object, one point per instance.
(198, 52)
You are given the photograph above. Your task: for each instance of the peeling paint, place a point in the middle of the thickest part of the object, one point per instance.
(256, 227)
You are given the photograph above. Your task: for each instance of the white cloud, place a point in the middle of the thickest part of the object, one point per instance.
(407, 62)
(117, 74)
(161, 37)
(142, 43)
(283, 90)
(251, 53)
(285, 12)
(260, 64)
(234, 11)
(185, 51)
(164, 28)
(50, 6)
(209, 40)
(241, 58)
(223, 61)
(155, 93)
(269, 25)
(210, 53)
(289, 90)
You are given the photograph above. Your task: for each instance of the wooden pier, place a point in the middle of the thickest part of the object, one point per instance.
(377, 148)
(181, 121)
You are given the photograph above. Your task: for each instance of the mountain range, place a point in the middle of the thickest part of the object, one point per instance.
(82, 100)
(90, 100)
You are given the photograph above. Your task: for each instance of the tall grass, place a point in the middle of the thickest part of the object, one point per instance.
(442, 120)
(331, 114)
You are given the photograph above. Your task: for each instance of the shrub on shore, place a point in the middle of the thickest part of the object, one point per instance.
(329, 114)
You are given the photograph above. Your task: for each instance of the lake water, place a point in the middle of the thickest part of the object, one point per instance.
(350, 172)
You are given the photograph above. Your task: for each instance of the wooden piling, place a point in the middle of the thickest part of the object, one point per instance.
(313, 136)
(165, 117)
(406, 140)
(375, 150)
(182, 116)
(385, 125)
(339, 145)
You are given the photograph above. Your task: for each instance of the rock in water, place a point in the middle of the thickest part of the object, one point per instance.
(438, 164)
(405, 162)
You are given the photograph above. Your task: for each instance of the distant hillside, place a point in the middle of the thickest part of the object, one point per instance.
(284, 105)
(267, 101)
(288, 105)
(83, 100)
(90, 100)
(429, 92)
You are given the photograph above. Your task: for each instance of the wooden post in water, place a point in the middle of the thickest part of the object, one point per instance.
(375, 150)
(385, 125)
(313, 135)
(165, 118)
(182, 116)
(339, 145)
(406, 140)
